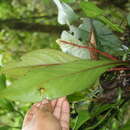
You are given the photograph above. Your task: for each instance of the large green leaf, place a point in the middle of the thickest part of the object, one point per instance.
(56, 81)
(92, 11)
(36, 59)
(66, 14)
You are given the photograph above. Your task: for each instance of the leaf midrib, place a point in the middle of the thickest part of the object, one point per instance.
(83, 70)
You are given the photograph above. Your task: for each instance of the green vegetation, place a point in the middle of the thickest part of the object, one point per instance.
(84, 45)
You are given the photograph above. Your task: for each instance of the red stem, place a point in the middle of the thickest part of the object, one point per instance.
(119, 69)
(97, 51)
(92, 49)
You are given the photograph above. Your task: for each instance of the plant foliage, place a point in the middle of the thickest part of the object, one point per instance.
(89, 62)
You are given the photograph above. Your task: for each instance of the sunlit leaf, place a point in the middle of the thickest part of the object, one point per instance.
(56, 81)
(35, 59)
(91, 9)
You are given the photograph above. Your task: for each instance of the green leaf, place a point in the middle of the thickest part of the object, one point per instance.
(5, 10)
(66, 14)
(107, 41)
(100, 120)
(46, 1)
(56, 81)
(2, 81)
(76, 96)
(36, 59)
(4, 128)
(115, 27)
(99, 108)
(92, 11)
(83, 116)
(128, 19)
(5, 104)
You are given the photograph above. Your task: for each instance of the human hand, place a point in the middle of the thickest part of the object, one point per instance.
(48, 115)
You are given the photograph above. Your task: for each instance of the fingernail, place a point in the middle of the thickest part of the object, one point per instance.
(38, 104)
(45, 101)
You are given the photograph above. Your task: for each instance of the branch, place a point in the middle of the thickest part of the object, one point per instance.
(19, 25)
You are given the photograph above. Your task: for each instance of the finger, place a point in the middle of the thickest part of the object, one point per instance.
(65, 115)
(46, 106)
(45, 101)
(29, 115)
(53, 103)
(58, 107)
(37, 104)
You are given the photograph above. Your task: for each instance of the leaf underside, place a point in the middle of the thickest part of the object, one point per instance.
(36, 59)
(56, 81)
